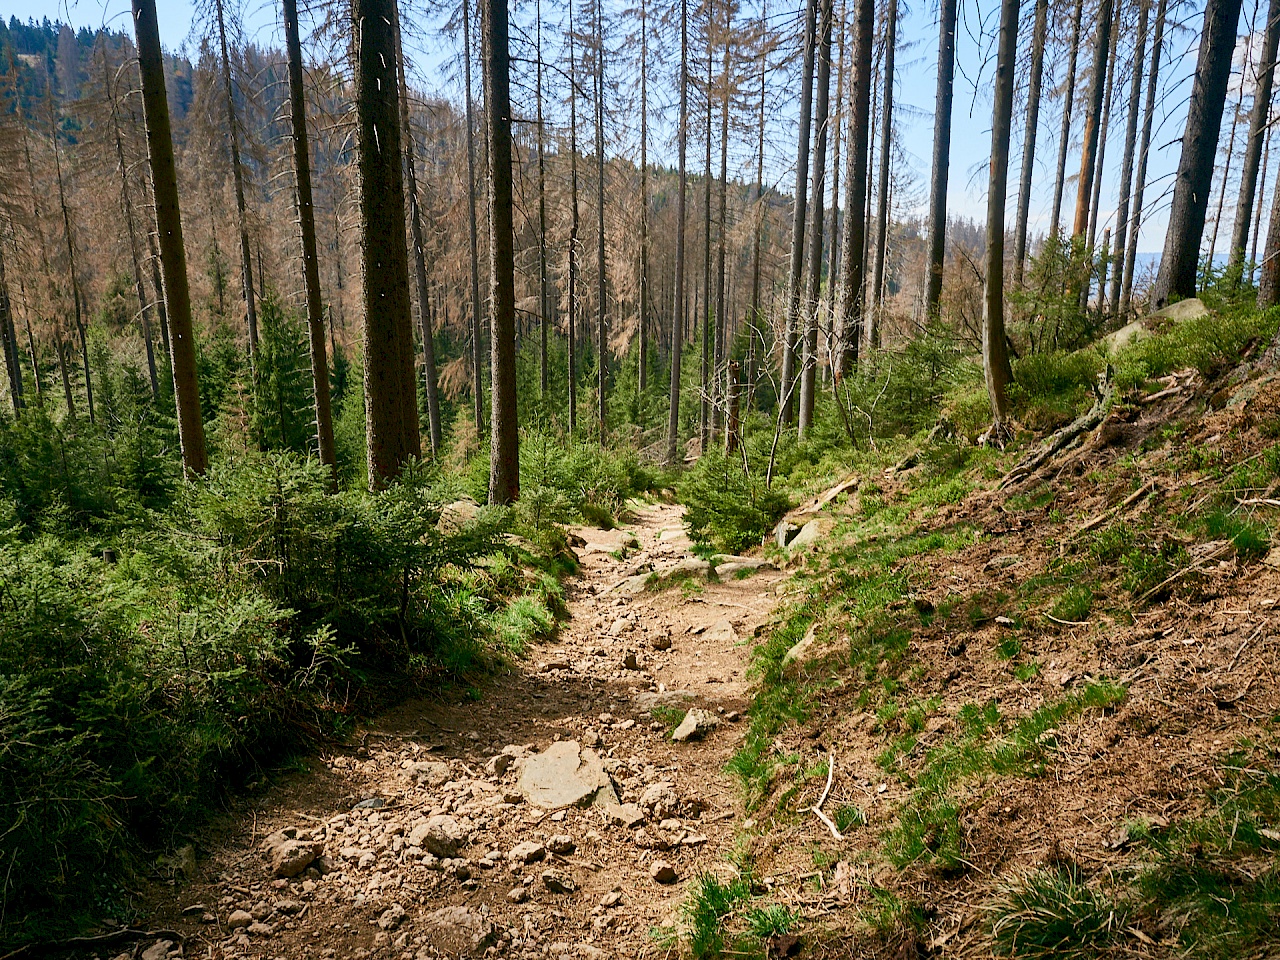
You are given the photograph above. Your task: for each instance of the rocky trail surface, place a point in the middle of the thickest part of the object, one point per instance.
(558, 815)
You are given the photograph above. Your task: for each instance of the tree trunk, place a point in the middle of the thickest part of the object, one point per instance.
(882, 203)
(839, 29)
(1093, 119)
(237, 175)
(995, 351)
(757, 238)
(1258, 205)
(477, 322)
(1096, 192)
(391, 396)
(1269, 279)
(644, 211)
(800, 213)
(704, 407)
(1257, 133)
(1140, 177)
(1126, 165)
(818, 187)
(13, 368)
(173, 258)
(504, 451)
(544, 279)
(1068, 100)
(937, 224)
(1177, 276)
(573, 230)
(854, 241)
(1039, 32)
(677, 312)
(602, 299)
(429, 375)
(307, 231)
(1231, 145)
(157, 283)
(76, 299)
(722, 225)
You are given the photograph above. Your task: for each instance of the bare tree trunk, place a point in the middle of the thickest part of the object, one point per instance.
(1231, 148)
(1039, 32)
(573, 231)
(307, 232)
(1177, 276)
(477, 321)
(757, 238)
(1269, 279)
(882, 204)
(722, 227)
(839, 29)
(995, 351)
(818, 187)
(173, 258)
(801, 212)
(237, 175)
(1257, 133)
(677, 313)
(1068, 99)
(1093, 118)
(1140, 178)
(1126, 165)
(429, 375)
(704, 406)
(644, 210)
(1258, 205)
(13, 368)
(391, 395)
(544, 280)
(947, 14)
(1107, 100)
(157, 282)
(76, 299)
(504, 456)
(855, 235)
(602, 287)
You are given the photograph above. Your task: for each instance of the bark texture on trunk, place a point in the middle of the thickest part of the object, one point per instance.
(602, 277)
(1177, 276)
(1257, 134)
(504, 449)
(947, 14)
(855, 231)
(1126, 164)
(818, 187)
(677, 311)
(307, 229)
(1144, 149)
(1068, 102)
(1039, 32)
(882, 201)
(1093, 119)
(173, 257)
(477, 308)
(995, 351)
(391, 396)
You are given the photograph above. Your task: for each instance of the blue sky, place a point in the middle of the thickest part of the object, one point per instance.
(915, 93)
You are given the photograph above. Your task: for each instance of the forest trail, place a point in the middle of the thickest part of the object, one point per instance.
(431, 844)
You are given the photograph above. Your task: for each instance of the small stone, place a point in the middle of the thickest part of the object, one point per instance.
(662, 872)
(527, 852)
(289, 856)
(289, 907)
(158, 950)
(261, 929)
(518, 895)
(239, 918)
(697, 723)
(370, 803)
(629, 662)
(391, 917)
(661, 641)
(626, 815)
(498, 765)
(557, 882)
(432, 773)
(261, 910)
(562, 844)
(459, 931)
(612, 899)
(441, 835)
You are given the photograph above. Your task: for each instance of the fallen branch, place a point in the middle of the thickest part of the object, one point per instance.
(1084, 423)
(1197, 567)
(101, 940)
(816, 809)
(1069, 623)
(1120, 507)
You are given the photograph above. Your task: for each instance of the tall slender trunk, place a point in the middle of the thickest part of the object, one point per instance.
(307, 232)
(704, 405)
(69, 398)
(13, 369)
(573, 230)
(1103, 132)
(602, 279)
(35, 362)
(722, 227)
(1231, 147)
(157, 284)
(237, 176)
(854, 243)
(1038, 34)
(757, 238)
(995, 351)
(1093, 119)
(477, 312)
(1126, 165)
(429, 375)
(1068, 102)
(644, 210)
(76, 297)
(1257, 134)
(800, 213)
(391, 395)
(173, 258)
(504, 457)
(1140, 177)
(818, 188)
(839, 29)
(677, 312)
(1257, 207)
(882, 203)
(544, 279)
(947, 13)
(1177, 276)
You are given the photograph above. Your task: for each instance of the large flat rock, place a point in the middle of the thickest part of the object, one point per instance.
(566, 775)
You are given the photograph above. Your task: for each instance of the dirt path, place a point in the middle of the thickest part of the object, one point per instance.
(438, 839)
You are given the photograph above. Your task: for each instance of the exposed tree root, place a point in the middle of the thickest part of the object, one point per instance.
(1064, 438)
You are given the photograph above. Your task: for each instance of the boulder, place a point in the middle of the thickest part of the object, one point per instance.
(811, 533)
(289, 854)
(662, 872)
(736, 565)
(696, 724)
(430, 773)
(441, 836)
(558, 882)
(454, 516)
(459, 932)
(784, 533)
(721, 633)
(527, 852)
(566, 775)
(803, 651)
